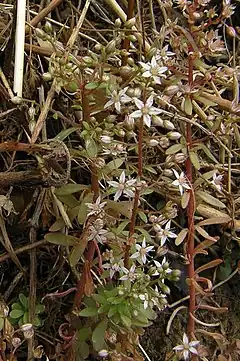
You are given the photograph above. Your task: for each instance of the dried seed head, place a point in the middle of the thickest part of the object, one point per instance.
(164, 142)
(16, 342)
(27, 330)
(180, 158)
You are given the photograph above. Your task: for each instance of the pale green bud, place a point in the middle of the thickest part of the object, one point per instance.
(153, 143)
(40, 33)
(129, 23)
(168, 125)
(47, 76)
(180, 158)
(174, 135)
(118, 23)
(48, 27)
(111, 47)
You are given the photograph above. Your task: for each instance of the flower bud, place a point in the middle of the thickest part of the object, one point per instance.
(103, 353)
(98, 47)
(125, 70)
(118, 23)
(129, 23)
(164, 142)
(176, 273)
(40, 33)
(129, 122)
(48, 27)
(130, 61)
(121, 133)
(157, 121)
(174, 135)
(111, 47)
(168, 125)
(165, 266)
(171, 90)
(132, 38)
(87, 60)
(168, 172)
(106, 139)
(135, 313)
(47, 76)
(180, 158)
(153, 142)
(165, 289)
(231, 31)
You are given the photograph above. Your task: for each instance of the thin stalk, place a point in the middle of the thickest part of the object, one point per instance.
(19, 48)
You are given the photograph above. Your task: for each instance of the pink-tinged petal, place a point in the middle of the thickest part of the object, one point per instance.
(135, 255)
(176, 173)
(136, 114)
(194, 343)
(154, 111)
(157, 80)
(181, 190)
(149, 248)
(117, 195)
(118, 107)
(168, 225)
(193, 350)
(147, 120)
(175, 183)
(138, 103)
(149, 101)
(186, 355)
(122, 177)
(185, 340)
(147, 74)
(144, 259)
(153, 62)
(113, 184)
(130, 182)
(108, 104)
(178, 348)
(185, 185)
(129, 193)
(172, 235)
(157, 264)
(144, 65)
(163, 69)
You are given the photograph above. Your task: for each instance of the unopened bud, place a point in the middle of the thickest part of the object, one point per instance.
(180, 158)
(165, 289)
(153, 142)
(171, 90)
(125, 70)
(168, 125)
(168, 172)
(118, 23)
(130, 61)
(47, 76)
(103, 353)
(48, 27)
(157, 121)
(176, 273)
(98, 47)
(165, 266)
(87, 60)
(132, 38)
(129, 23)
(164, 142)
(231, 31)
(111, 47)
(121, 133)
(40, 33)
(135, 313)
(129, 122)
(106, 139)
(174, 135)
(152, 218)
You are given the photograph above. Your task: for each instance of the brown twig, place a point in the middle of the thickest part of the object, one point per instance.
(39, 17)
(22, 249)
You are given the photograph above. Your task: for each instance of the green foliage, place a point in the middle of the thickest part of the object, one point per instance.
(20, 312)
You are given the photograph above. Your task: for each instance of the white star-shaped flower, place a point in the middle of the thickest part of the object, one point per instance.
(130, 275)
(153, 70)
(181, 182)
(187, 347)
(217, 181)
(118, 98)
(145, 110)
(142, 252)
(95, 208)
(124, 187)
(164, 233)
